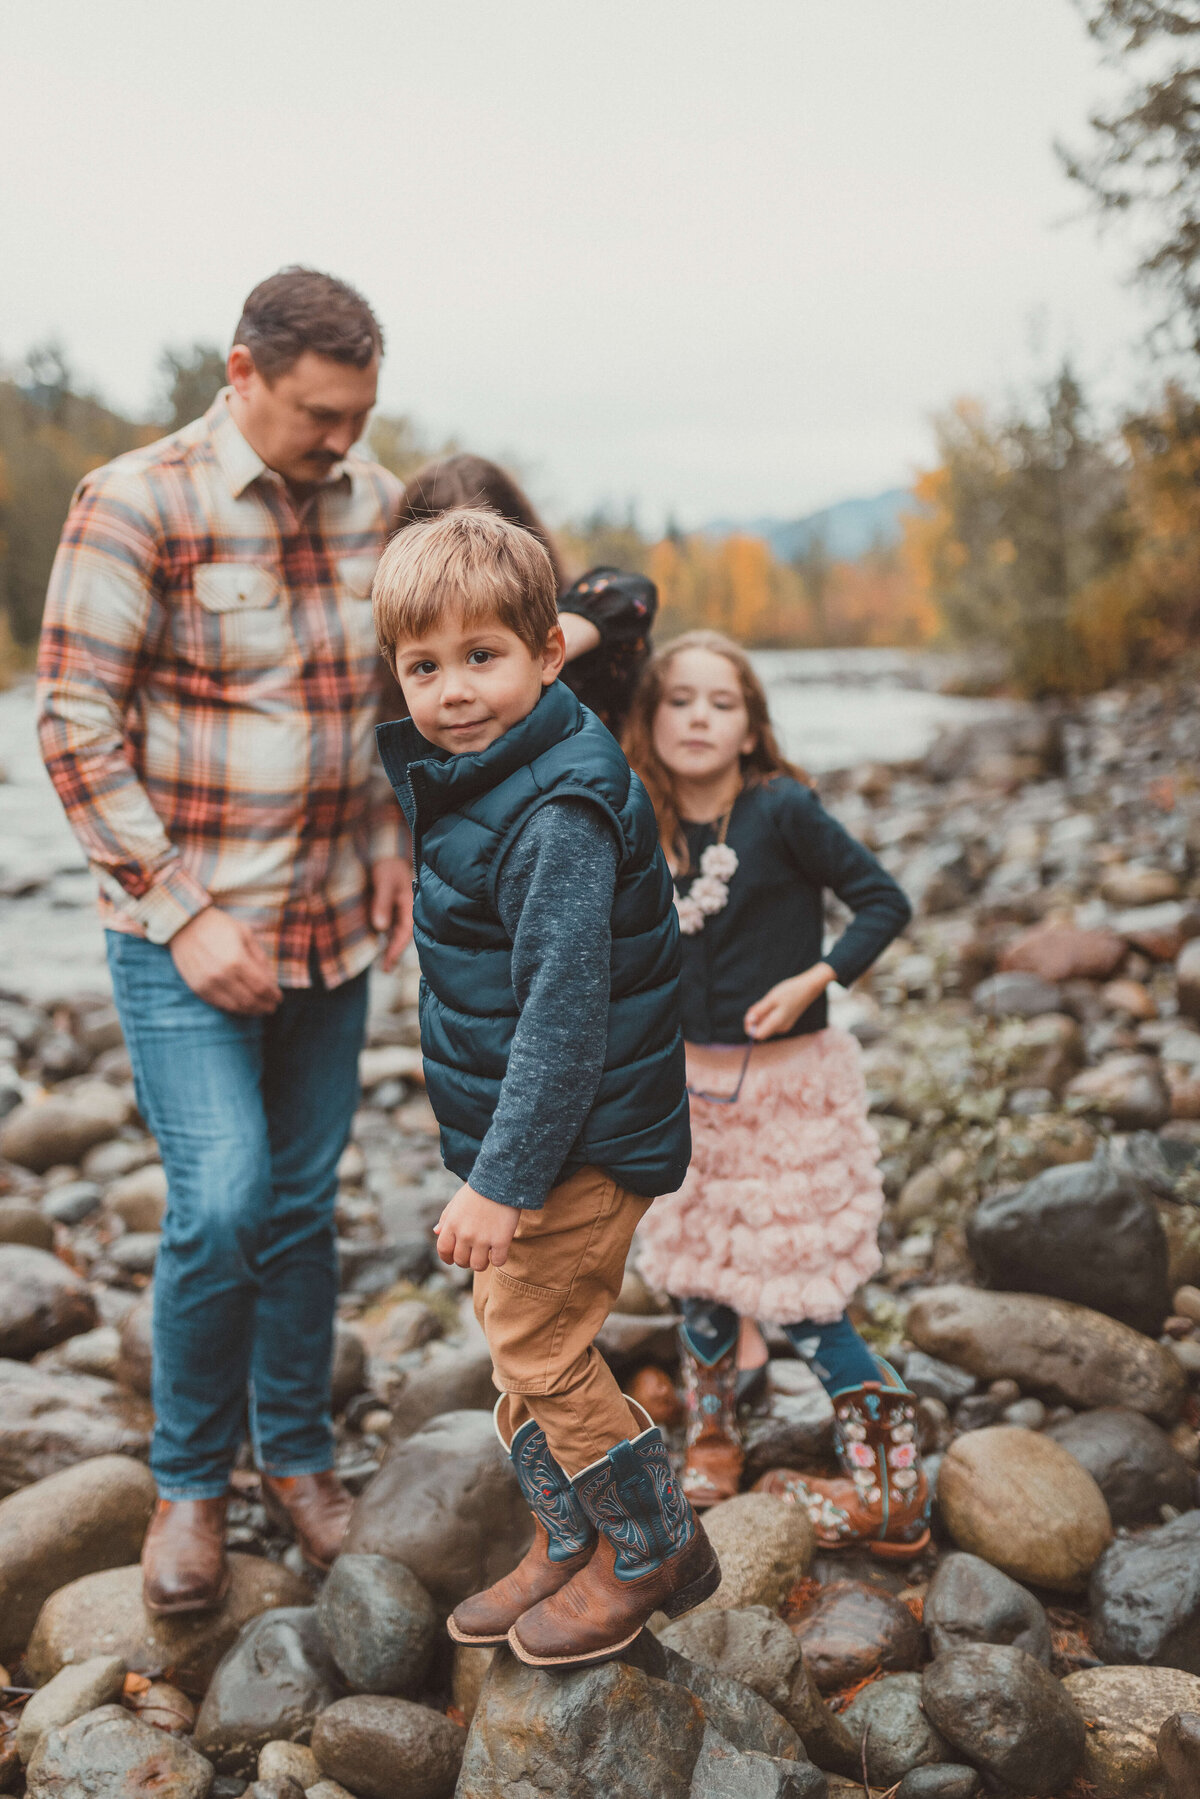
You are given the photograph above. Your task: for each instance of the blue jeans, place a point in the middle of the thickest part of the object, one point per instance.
(251, 1117)
(835, 1352)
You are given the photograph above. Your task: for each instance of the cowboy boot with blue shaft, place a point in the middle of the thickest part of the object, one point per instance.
(563, 1541)
(652, 1555)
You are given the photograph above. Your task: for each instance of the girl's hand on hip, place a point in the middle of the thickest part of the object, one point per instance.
(473, 1231)
(778, 1010)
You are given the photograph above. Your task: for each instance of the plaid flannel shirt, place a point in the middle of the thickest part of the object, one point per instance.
(208, 688)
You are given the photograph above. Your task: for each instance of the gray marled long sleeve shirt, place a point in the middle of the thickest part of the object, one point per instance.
(554, 893)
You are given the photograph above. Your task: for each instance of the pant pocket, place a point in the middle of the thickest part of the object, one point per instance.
(520, 1321)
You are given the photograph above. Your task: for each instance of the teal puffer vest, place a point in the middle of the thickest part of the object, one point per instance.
(464, 812)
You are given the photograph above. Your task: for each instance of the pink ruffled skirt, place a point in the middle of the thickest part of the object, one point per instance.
(779, 1213)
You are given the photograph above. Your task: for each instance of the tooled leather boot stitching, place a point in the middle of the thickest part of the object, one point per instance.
(316, 1507)
(882, 1500)
(563, 1542)
(653, 1555)
(714, 1461)
(184, 1566)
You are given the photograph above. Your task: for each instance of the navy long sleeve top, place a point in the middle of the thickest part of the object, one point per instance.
(789, 850)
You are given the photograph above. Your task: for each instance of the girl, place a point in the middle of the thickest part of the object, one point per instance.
(606, 614)
(778, 1216)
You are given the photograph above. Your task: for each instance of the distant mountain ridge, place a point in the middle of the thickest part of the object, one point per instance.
(848, 529)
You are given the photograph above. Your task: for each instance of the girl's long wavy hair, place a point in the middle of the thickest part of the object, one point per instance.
(463, 480)
(761, 764)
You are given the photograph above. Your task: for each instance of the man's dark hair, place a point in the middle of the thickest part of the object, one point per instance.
(301, 309)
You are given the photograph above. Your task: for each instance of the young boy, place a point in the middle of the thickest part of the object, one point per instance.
(549, 951)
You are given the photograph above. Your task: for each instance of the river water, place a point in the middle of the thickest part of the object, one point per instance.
(833, 708)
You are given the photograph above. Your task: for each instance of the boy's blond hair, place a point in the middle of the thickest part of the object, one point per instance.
(468, 561)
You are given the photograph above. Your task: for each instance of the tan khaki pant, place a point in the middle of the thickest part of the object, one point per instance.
(540, 1313)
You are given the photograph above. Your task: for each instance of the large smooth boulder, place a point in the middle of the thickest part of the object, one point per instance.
(388, 1747)
(379, 1623)
(1022, 1503)
(107, 1754)
(611, 1732)
(446, 1504)
(848, 1630)
(1123, 1710)
(102, 1614)
(1145, 1597)
(754, 1646)
(1134, 1463)
(891, 1730)
(452, 1378)
(49, 1421)
(75, 1690)
(42, 1301)
(61, 1128)
(1087, 1232)
(1006, 1715)
(1066, 1354)
(970, 1601)
(272, 1684)
(88, 1517)
(764, 1545)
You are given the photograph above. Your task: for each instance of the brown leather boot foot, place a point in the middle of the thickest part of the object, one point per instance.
(596, 1615)
(563, 1540)
(652, 1556)
(184, 1568)
(486, 1618)
(315, 1507)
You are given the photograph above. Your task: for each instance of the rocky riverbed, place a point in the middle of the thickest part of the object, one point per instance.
(1033, 1058)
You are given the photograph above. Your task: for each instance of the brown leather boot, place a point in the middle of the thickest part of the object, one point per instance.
(315, 1507)
(563, 1542)
(652, 1556)
(712, 1470)
(881, 1503)
(184, 1567)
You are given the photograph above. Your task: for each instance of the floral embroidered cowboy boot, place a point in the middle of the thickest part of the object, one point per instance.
(652, 1556)
(563, 1541)
(881, 1503)
(712, 1469)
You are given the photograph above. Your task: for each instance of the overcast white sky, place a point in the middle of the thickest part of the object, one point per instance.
(718, 259)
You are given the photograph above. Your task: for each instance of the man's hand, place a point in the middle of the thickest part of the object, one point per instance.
(392, 905)
(778, 1009)
(224, 963)
(473, 1230)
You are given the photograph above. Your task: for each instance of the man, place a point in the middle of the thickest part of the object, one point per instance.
(209, 685)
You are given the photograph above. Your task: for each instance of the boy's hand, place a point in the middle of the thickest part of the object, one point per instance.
(473, 1231)
(778, 1009)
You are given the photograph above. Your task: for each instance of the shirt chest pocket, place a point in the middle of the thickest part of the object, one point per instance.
(239, 620)
(355, 575)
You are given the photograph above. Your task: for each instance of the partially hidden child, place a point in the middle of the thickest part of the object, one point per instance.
(778, 1216)
(550, 1030)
